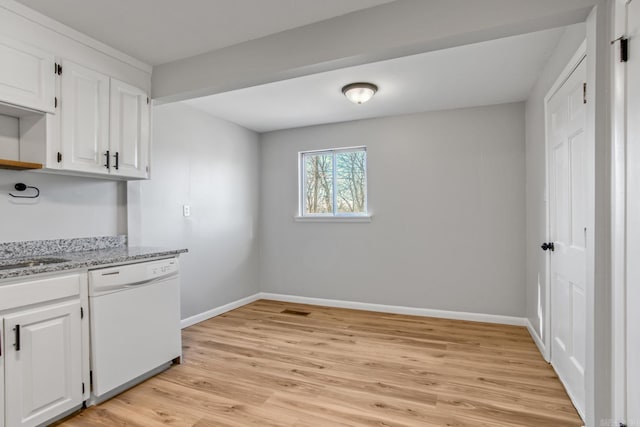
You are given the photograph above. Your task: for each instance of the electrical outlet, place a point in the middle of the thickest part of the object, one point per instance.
(186, 210)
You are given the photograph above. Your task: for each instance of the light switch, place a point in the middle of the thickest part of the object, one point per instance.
(186, 210)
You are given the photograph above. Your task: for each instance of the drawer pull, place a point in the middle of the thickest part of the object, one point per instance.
(111, 273)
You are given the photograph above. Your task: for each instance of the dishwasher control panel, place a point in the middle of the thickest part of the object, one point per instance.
(113, 278)
(162, 268)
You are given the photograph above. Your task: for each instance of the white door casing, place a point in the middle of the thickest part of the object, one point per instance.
(633, 215)
(85, 119)
(567, 168)
(45, 374)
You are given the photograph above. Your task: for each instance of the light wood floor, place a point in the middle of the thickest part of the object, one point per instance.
(257, 366)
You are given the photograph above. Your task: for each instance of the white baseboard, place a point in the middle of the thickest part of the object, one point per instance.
(396, 309)
(413, 311)
(218, 310)
(537, 339)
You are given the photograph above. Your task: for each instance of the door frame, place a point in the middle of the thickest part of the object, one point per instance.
(626, 332)
(579, 56)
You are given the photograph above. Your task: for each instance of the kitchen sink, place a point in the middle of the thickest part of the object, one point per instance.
(34, 262)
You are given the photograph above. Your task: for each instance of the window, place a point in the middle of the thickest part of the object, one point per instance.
(333, 183)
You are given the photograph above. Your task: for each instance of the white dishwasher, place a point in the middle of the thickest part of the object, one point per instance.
(134, 323)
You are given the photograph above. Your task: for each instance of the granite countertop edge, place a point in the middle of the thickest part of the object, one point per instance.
(88, 260)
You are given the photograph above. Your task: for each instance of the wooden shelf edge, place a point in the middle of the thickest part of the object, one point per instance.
(17, 166)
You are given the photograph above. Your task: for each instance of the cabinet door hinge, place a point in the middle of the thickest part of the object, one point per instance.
(81, 312)
(55, 102)
(59, 69)
(59, 157)
(584, 93)
(82, 388)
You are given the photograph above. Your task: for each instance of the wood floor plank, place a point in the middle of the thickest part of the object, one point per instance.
(260, 365)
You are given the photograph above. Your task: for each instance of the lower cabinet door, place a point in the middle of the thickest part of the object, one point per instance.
(43, 372)
(3, 350)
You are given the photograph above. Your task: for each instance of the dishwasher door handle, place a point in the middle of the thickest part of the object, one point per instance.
(130, 286)
(149, 281)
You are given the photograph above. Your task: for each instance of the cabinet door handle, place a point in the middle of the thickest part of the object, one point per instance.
(17, 344)
(117, 157)
(107, 165)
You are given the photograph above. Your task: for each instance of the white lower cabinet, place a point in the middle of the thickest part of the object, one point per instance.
(41, 365)
(2, 352)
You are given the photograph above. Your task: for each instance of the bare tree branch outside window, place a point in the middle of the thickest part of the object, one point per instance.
(335, 177)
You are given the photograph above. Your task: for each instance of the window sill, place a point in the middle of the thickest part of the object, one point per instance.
(359, 218)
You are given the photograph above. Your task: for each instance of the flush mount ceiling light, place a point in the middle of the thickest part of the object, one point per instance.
(359, 93)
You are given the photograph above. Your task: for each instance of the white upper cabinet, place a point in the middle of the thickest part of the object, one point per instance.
(76, 114)
(84, 110)
(27, 76)
(129, 135)
(104, 124)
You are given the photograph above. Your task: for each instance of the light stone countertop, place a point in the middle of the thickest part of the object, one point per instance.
(82, 259)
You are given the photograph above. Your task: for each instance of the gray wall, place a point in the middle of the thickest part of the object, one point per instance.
(535, 179)
(213, 166)
(67, 207)
(446, 190)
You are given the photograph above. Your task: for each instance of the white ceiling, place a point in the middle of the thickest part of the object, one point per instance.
(493, 72)
(160, 31)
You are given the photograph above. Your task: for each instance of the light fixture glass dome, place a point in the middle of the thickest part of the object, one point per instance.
(359, 93)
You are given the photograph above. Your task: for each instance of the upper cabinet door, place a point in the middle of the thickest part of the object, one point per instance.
(27, 76)
(129, 133)
(85, 119)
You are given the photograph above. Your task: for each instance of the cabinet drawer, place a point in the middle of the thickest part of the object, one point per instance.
(22, 293)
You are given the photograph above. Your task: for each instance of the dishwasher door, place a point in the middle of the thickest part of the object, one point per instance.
(135, 322)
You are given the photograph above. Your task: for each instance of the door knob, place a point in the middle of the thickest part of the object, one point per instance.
(549, 245)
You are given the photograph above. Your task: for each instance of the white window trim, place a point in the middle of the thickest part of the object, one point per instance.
(357, 217)
(338, 218)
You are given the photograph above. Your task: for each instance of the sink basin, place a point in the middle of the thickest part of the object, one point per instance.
(35, 262)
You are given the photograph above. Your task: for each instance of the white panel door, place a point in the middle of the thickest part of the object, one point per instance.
(43, 363)
(566, 122)
(633, 215)
(129, 134)
(85, 119)
(27, 76)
